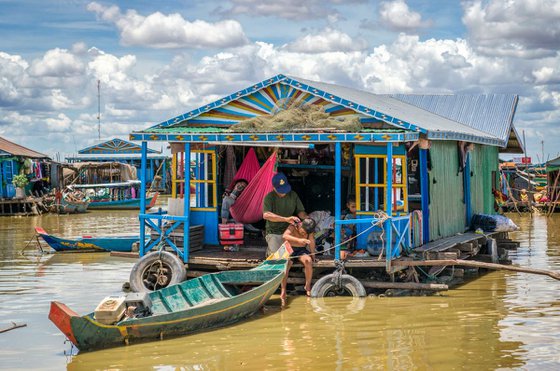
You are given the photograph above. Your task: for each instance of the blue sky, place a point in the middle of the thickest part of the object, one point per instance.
(157, 59)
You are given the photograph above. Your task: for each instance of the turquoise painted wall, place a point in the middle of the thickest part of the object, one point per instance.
(447, 207)
(484, 166)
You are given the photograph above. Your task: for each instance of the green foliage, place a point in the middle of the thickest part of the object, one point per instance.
(20, 181)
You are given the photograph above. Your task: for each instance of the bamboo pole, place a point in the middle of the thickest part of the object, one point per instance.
(471, 263)
(387, 285)
(511, 195)
(12, 327)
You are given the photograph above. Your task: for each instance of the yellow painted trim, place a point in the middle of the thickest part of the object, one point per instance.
(174, 175)
(203, 208)
(202, 181)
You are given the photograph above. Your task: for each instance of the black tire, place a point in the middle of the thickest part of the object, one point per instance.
(326, 286)
(156, 270)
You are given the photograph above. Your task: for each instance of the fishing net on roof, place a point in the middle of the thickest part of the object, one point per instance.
(309, 116)
(248, 208)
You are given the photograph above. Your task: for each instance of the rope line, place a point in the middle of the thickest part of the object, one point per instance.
(381, 216)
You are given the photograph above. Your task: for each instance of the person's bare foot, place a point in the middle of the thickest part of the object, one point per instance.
(283, 297)
(308, 290)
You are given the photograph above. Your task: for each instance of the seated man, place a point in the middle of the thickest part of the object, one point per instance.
(300, 236)
(229, 199)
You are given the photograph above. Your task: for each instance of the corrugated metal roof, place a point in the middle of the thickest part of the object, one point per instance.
(397, 108)
(484, 120)
(492, 113)
(554, 162)
(17, 150)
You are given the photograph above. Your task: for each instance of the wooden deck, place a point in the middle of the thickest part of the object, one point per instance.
(445, 254)
(461, 246)
(24, 207)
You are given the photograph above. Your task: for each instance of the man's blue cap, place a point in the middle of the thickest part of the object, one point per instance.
(280, 183)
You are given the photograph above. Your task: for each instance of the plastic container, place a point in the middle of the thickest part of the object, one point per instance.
(231, 234)
(110, 310)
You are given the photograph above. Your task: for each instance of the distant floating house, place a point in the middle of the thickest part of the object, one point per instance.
(553, 176)
(118, 150)
(16, 159)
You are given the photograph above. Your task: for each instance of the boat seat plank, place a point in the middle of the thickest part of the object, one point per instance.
(176, 298)
(214, 286)
(195, 292)
(159, 306)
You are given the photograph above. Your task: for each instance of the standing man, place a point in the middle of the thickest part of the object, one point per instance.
(281, 207)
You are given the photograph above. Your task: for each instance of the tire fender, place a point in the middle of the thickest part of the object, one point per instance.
(156, 270)
(349, 286)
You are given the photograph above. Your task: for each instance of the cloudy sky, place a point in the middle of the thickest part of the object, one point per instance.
(158, 59)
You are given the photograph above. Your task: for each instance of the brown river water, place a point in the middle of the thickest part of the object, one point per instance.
(499, 320)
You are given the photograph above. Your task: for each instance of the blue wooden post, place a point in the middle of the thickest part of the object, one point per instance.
(143, 197)
(389, 207)
(187, 202)
(151, 170)
(425, 193)
(337, 197)
(467, 191)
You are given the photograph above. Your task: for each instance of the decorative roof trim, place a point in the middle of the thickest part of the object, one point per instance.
(277, 137)
(221, 102)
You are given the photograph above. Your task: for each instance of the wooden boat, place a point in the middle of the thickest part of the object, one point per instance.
(115, 196)
(70, 204)
(209, 301)
(113, 242)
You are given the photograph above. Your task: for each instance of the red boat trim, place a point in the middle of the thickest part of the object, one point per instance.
(61, 316)
(153, 201)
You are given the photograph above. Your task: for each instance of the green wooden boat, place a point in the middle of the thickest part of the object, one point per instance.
(209, 301)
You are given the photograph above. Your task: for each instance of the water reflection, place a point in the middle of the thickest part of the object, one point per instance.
(499, 320)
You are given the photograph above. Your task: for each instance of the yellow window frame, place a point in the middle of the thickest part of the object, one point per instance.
(212, 181)
(359, 186)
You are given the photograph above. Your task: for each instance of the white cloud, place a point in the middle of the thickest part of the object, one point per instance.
(396, 15)
(158, 30)
(57, 63)
(288, 9)
(546, 74)
(520, 28)
(60, 123)
(328, 40)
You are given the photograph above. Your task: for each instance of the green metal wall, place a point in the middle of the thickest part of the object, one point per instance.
(484, 161)
(447, 207)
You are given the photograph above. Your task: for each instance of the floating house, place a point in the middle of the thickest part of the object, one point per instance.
(553, 184)
(420, 166)
(118, 150)
(16, 159)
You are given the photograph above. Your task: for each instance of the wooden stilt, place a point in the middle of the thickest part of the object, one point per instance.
(471, 263)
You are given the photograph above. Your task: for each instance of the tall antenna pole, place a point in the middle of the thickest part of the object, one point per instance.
(542, 150)
(99, 109)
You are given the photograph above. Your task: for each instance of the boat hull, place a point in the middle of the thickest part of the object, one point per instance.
(70, 207)
(122, 243)
(88, 334)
